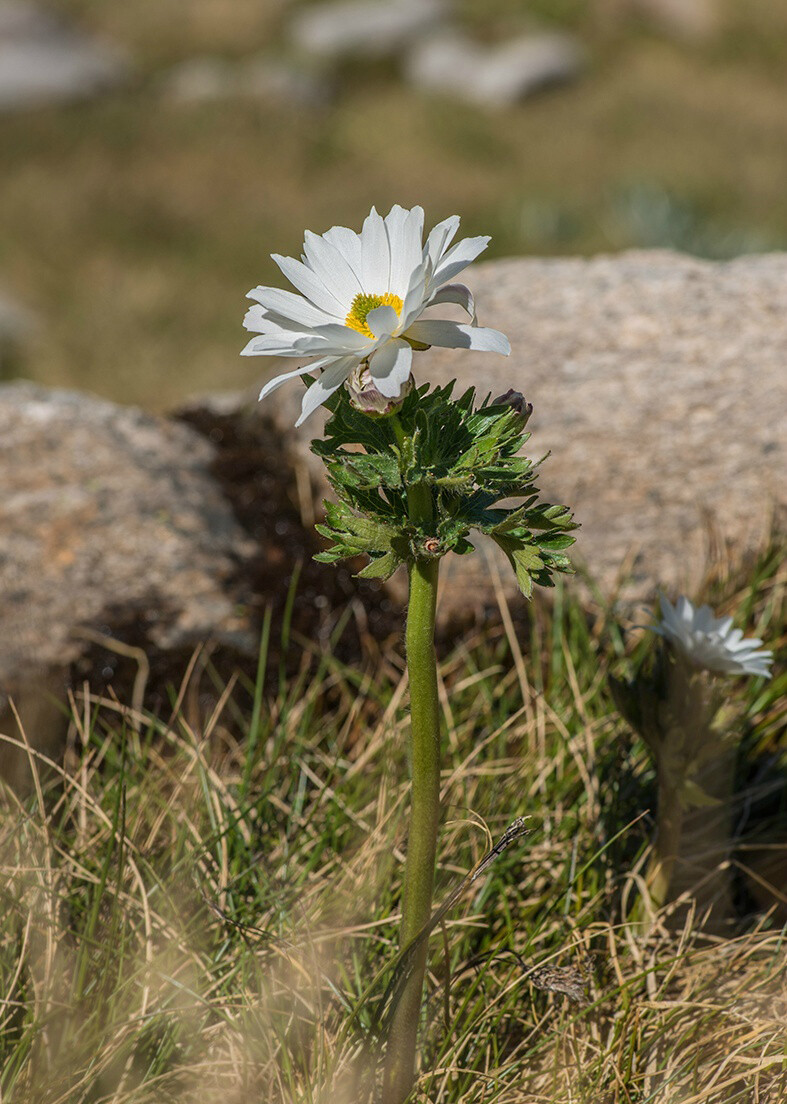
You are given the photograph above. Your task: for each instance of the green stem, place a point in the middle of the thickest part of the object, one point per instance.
(424, 806)
(693, 845)
(669, 832)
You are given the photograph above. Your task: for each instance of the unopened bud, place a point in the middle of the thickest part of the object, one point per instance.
(365, 396)
(517, 401)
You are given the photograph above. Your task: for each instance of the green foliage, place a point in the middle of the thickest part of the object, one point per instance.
(467, 457)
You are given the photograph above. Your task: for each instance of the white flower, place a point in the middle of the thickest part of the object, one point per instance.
(711, 642)
(361, 298)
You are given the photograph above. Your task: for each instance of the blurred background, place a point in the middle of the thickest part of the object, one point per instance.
(154, 152)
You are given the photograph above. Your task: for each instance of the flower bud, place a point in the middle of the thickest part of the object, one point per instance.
(517, 401)
(366, 398)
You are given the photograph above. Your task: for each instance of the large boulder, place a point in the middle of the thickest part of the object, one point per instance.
(659, 388)
(110, 518)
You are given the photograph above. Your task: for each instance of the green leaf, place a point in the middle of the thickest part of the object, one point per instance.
(554, 542)
(381, 567)
(468, 455)
(524, 559)
(694, 797)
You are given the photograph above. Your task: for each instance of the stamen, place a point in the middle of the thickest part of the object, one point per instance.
(363, 304)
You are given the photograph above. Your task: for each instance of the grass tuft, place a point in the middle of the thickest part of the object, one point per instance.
(193, 911)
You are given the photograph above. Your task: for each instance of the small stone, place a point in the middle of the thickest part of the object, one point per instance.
(494, 76)
(43, 61)
(690, 19)
(364, 28)
(259, 78)
(443, 63)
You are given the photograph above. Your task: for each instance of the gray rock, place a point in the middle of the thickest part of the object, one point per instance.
(107, 514)
(363, 28)
(42, 61)
(659, 386)
(21, 19)
(260, 78)
(690, 19)
(493, 76)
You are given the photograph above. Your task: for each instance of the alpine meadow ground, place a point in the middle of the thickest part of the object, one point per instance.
(201, 905)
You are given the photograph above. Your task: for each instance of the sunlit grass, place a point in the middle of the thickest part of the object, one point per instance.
(196, 903)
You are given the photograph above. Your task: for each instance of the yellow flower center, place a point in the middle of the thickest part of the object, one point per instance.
(363, 304)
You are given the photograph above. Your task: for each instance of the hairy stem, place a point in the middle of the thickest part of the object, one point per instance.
(424, 805)
(693, 845)
(668, 842)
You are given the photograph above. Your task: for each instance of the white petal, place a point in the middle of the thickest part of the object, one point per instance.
(336, 334)
(390, 367)
(331, 268)
(307, 282)
(349, 245)
(274, 345)
(454, 293)
(703, 619)
(289, 305)
(666, 607)
(723, 625)
(277, 381)
(440, 238)
(331, 380)
(375, 255)
(455, 335)
(458, 257)
(684, 611)
(405, 231)
(415, 299)
(382, 320)
(330, 340)
(259, 320)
